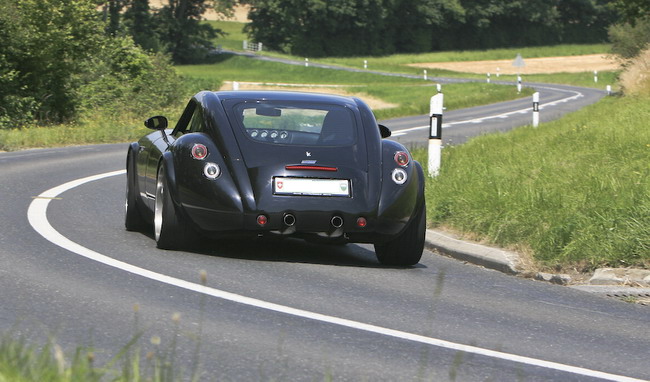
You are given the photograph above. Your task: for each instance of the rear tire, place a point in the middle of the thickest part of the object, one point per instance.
(133, 221)
(169, 230)
(406, 249)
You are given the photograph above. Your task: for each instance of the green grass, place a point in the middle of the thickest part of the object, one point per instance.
(411, 95)
(476, 55)
(575, 192)
(23, 362)
(398, 63)
(234, 34)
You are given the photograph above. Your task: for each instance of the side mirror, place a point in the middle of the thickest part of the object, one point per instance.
(384, 131)
(156, 123)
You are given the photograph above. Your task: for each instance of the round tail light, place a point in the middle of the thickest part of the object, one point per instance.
(211, 170)
(399, 176)
(262, 220)
(362, 222)
(199, 151)
(402, 158)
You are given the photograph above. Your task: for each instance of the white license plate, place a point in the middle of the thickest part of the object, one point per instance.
(311, 186)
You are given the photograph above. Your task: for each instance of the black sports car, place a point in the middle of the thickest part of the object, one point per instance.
(306, 165)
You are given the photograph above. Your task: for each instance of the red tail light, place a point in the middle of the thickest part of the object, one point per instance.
(262, 220)
(199, 151)
(311, 167)
(402, 158)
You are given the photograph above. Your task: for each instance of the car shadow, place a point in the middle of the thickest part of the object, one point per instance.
(289, 250)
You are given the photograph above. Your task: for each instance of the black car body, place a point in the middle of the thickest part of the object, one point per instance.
(277, 163)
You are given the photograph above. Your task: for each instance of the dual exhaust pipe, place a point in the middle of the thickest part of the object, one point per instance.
(290, 220)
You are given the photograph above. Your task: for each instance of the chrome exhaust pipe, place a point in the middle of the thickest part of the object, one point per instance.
(337, 222)
(289, 220)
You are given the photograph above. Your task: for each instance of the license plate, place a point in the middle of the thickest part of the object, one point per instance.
(311, 186)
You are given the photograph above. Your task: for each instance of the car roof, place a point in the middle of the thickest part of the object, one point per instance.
(284, 96)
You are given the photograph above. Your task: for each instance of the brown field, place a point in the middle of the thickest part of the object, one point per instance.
(241, 12)
(569, 64)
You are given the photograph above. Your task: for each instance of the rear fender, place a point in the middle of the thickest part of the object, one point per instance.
(399, 202)
(212, 204)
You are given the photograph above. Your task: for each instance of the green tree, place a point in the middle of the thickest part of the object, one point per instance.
(632, 10)
(53, 51)
(179, 27)
(345, 27)
(139, 24)
(413, 23)
(632, 35)
(17, 104)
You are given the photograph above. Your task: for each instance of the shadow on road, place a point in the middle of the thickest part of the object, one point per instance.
(289, 250)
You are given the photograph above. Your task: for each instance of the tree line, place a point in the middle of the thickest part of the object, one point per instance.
(380, 27)
(175, 28)
(61, 59)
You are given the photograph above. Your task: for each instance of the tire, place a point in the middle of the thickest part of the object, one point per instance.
(406, 249)
(169, 230)
(133, 220)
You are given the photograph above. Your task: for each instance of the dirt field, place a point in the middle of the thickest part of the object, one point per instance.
(241, 12)
(570, 64)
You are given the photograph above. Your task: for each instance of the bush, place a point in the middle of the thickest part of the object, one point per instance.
(128, 80)
(56, 63)
(628, 40)
(635, 80)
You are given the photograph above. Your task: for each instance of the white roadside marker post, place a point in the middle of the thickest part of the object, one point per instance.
(439, 88)
(235, 85)
(306, 62)
(518, 84)
(365, 64)
(609, 90)
(435, 134)
(535, 109)
(425, 74)
(498, 72)
(488, 78)
(595, 76)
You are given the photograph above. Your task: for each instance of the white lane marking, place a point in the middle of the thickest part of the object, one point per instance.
(576, 95)
(37, 215)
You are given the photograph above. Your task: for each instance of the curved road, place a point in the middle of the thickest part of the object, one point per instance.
(286, 310)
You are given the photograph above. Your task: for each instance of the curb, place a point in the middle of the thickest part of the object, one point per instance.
(488, 257)
(606, 281)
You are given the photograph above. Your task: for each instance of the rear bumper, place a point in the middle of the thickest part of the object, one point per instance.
(335, 225)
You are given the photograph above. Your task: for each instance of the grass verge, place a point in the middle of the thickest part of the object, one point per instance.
(574, 192)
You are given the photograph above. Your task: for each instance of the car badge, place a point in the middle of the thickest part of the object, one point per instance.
(344, 187)
(307, 153)
(308, 161)
(280, 184)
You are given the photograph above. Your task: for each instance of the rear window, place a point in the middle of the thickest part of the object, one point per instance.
(297, 124)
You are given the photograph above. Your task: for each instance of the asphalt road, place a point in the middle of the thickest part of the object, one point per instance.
(284, 310)
(460, 125)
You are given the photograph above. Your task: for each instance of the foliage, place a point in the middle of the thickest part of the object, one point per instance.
(632, 10)
(628, 39)
(574, 191)
(56, 61)
(319, 28)
(635, 80)
(175, 29)
(179, 27)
